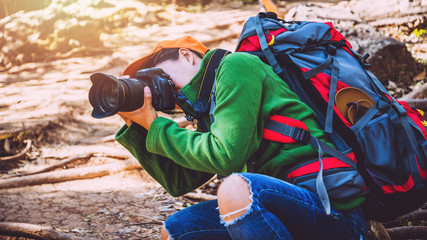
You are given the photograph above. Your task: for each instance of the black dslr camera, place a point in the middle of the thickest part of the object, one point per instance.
(109, 95)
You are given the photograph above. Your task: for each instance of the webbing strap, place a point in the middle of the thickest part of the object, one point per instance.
(363, 121)
(331, 151)
(213, 104)
(320, 184)
(264, 46)
(314, 71)
(304, 136)
(331, 100)
(201, 104)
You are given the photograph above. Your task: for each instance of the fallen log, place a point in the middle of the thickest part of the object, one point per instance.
(55, 166)
(418, 103)
(414, 216)
(65, 162)
(70, 174)
(418, 215)
(200, 196)
(415, 93)
(413, 232)
(392, 12)
(34, 231)
(267, 6)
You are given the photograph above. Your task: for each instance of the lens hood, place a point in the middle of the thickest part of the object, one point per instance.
(98, 81)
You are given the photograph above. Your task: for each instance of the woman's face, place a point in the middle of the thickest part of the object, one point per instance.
(183, 69)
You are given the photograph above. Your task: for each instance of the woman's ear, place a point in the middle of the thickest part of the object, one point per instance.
(187, 55)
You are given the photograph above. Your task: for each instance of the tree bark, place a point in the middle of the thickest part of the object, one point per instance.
(417, 215)
(415, 93)
(63, 163)
(418, 103)
(414, 232)
(34, 231)
(69, 174)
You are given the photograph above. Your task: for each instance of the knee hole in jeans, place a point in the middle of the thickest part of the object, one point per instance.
(234, 198)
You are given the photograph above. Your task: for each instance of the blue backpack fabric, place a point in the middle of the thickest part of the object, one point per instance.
(389, 141)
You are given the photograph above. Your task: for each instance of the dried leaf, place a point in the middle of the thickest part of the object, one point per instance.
(421, 76)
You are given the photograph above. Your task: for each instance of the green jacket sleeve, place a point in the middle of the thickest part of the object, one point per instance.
(175, 179)
(234, 135)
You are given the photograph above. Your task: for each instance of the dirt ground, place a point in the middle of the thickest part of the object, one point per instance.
(47, 103)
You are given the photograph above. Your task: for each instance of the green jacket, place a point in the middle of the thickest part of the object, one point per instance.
(247, 93)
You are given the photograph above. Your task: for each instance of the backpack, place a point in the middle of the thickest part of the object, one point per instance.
(381, 152)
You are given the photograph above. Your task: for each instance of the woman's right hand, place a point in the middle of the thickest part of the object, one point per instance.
(144, 115)
(127, 120)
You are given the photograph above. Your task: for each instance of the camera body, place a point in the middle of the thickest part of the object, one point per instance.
(109, 95)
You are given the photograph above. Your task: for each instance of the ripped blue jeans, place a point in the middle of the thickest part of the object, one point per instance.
(279, 210)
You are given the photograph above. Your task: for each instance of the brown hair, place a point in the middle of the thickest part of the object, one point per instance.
(166, 54)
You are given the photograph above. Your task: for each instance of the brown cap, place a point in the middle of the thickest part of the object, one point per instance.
(352, 95)
(182, 42)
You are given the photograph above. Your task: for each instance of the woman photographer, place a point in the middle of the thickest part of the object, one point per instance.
(229, 140)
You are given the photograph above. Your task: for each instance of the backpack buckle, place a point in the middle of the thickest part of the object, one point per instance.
(331, 49)
(189, 118)
(301, 135)
(363, 60)
(271, 15)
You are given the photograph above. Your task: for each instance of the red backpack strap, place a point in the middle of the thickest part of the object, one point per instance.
(288, 130)
(285, 130)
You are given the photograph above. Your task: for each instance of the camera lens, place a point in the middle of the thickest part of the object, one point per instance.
(110, 95)
(131, 94)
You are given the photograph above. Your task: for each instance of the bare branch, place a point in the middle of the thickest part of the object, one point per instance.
(22, 153)
(34, 231)
(69, 174)
(378, 230)
(64, 162)
(417, 215)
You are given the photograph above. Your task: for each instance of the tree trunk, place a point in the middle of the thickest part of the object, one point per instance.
(34, 231)
(69, 174)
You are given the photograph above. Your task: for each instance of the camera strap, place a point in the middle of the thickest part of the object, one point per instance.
(202, 102)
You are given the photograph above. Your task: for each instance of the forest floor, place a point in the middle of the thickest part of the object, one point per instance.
(47, 102)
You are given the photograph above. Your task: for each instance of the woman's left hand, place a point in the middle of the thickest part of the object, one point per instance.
(145, 115)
